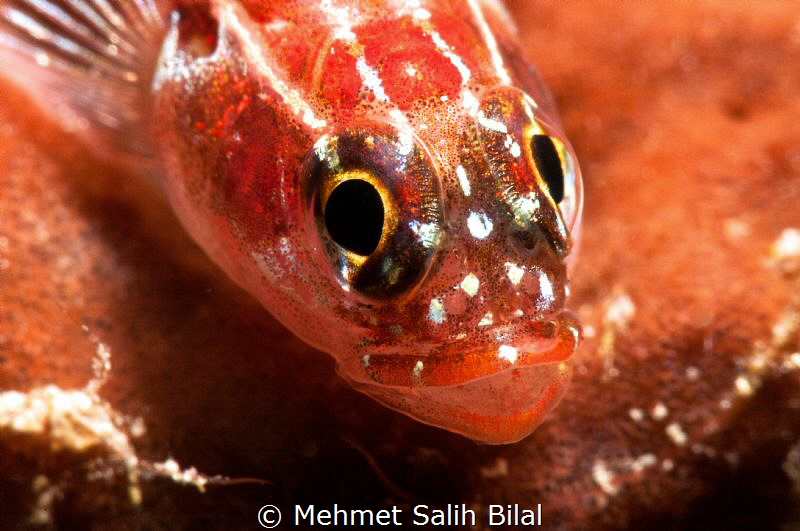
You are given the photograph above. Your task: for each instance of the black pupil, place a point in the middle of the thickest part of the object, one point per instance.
(354, 216)
(549, 165)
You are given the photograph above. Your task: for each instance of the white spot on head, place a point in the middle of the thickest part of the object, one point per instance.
(676, 433)
(486, 320)
(508, 353)
(479, 224)
(514, 272)
(546, 287)
(660, 411)
(426, 232)
(470, 285)
(411, 71)
(469, 102)
(461, 173)
(416, 372)
(436, 311)
(494, 125)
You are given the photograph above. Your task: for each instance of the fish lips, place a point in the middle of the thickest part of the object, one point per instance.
(495, 393)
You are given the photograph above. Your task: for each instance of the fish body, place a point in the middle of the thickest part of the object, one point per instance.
(389, 179)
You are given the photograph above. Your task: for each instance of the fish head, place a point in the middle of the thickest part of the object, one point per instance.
(424, 244)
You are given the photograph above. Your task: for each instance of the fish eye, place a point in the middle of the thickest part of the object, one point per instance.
(374, 198)
(548, 163)
(354, 216)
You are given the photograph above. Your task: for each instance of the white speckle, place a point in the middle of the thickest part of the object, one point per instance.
(443, 98)
(667, 465)
(489, 123)
(421, 14)
(42, 59)
(469, 102)
(486, 320)
(788, 244)
(604, 478)
(479, 224)
(514, 272)
(589, 331)
(546, 287)
(743, 386)
(636, 414)
(470, 285)
(518, 313)
(735, 229)
(676, 433)
(692, 373)
(498, 470)
(461, 336)
(642, 462)
(725, 403)
(792, 362)
(365, 361)
(660, 411)
(620, 310)
(508, 353)
(417, 371)
(463, 180)
(436, 311)
(370, 78)
(411, 71)
(428, 233)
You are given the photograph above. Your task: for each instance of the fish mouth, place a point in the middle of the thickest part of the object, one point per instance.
(524, 346)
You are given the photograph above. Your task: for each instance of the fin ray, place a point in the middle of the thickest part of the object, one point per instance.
(88, 61)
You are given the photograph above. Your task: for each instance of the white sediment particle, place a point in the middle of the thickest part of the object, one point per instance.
(508, 353)
(676, 433)
(692, 373)
(642, 462)
(463, 180)
(514, 272)
(436, 311)
(743, 386)
(667, 465)
(636, 414)
(365, 361)
(660, 411)
(604, 477)
(787, 245)
(497, 470)
(792, 362)
(620, 310)
(486, 320)
(470, 285)
(479, 225)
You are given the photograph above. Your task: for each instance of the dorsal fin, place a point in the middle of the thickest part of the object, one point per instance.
(87, 62)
